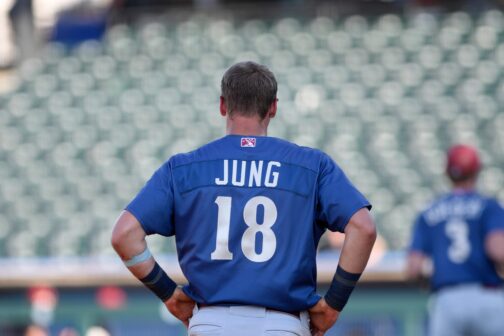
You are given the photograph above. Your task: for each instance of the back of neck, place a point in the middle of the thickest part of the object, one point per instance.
(464, 187)
(240, 125)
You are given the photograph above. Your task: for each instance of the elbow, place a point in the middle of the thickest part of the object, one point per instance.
(122, 233)
(363, 224)
(117, 238)
(121, 240)
(414, 265)
(494, 246)
(497, 256)
(367, 228)
(369, 231)
(127, 236)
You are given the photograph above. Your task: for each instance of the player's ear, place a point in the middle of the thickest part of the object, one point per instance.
(223, 107)
(273, 109)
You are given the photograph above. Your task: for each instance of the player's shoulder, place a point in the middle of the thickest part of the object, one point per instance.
(272, 148)
(491, 201)
(308, 157)
(295, 151)
(483, 199)
(197, 154)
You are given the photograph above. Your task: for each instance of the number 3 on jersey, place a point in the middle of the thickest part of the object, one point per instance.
(458, 232)
(248, 241)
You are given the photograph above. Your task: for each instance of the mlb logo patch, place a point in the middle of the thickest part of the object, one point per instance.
(248, 142)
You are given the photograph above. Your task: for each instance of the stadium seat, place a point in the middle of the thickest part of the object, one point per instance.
(384, 97)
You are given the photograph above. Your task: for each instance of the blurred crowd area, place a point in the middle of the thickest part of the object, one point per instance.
(385, 96)
(26, 25)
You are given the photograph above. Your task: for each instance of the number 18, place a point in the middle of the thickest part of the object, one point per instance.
(248, 240)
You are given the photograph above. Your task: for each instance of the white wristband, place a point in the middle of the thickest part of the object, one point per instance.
(145, 255)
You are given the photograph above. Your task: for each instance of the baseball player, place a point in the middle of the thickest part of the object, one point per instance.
(463, 233)
(247, 212)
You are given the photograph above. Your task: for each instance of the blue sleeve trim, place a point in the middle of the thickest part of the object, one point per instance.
(354, 210)
(144, 227)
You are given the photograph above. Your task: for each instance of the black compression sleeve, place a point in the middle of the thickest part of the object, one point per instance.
(159, 283)
(341, 288)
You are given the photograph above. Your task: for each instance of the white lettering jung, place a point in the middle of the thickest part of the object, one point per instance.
(250, 173)
(255, 173)
(241, 181)
(269, 182)
(225, 179)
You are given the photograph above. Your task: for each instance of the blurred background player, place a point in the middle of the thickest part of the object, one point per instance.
(463, 233)
(248, 212)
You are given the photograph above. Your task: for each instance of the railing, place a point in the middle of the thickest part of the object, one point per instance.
(99, 271)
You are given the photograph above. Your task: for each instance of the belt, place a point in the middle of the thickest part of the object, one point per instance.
(296, 314)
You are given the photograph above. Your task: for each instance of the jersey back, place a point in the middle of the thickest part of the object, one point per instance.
(247, 214)
(452, 232)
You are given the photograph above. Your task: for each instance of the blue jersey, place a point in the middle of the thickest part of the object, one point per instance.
(452, 232)
(247, 214)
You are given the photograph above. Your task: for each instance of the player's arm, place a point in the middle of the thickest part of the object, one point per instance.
(128, 240)
(494, 246)
(494, 233)
(414, 267)
(344, 209)
(360, 235)
(419, 250)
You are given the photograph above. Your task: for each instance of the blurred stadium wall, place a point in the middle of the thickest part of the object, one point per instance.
(384, 87)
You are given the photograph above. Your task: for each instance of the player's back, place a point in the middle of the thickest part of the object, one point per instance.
(245, 221)
(452, 230)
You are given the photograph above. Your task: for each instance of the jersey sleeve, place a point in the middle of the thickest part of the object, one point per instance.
(493, 217)
(338, 199)
(153, 206)
(420, 241)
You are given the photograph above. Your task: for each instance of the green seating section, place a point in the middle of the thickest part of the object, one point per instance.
(385, 97)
